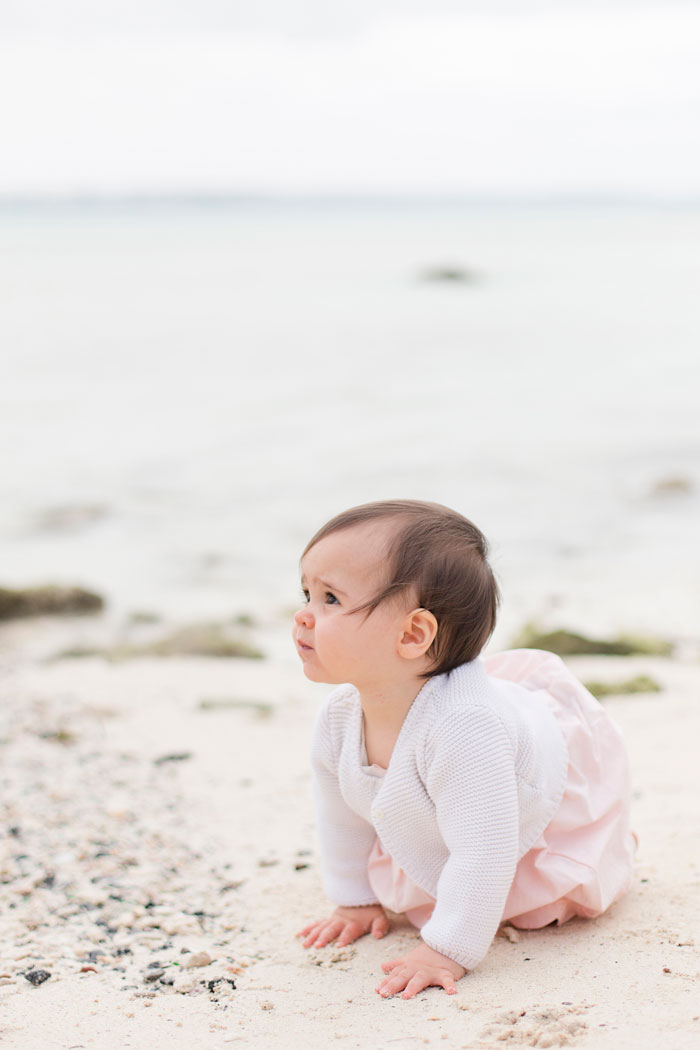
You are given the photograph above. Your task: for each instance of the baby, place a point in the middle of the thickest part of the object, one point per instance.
(458, 790)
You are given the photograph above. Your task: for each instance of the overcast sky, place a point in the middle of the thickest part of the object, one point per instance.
(348, 96)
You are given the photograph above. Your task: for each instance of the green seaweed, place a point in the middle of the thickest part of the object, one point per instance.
(139, 616)
(641, 683)
(49, 600)
(201, 640)
(195, 640)
(570, 643)
(259, 707)
(59, 736)
(673, 485)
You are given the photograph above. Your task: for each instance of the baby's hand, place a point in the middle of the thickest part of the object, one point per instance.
(419, 969)
(346, 924)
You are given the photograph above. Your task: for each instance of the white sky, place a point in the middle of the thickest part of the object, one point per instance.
(350, 96)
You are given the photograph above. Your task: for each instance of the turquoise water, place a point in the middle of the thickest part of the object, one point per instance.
(211, 382)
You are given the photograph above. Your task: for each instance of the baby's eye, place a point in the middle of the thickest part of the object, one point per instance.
(305, 596)
(331, 599)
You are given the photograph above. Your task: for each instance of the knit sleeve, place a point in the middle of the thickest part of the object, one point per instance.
(471, 779)
(345, 838)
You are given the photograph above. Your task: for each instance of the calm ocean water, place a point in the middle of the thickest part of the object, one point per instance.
(188, 391)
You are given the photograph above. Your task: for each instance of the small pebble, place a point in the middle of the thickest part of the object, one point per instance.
(267, 1005)
(37, 977)
(220, 984)
(197, 959)
(153, 975)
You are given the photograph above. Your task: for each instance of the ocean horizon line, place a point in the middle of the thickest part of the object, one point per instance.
(326, 200)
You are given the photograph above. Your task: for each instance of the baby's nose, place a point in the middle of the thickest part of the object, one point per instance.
(303, 617)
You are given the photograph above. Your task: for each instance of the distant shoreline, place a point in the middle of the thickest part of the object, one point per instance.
(337, 201)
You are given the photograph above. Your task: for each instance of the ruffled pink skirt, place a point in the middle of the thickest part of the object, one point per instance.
(583, 860)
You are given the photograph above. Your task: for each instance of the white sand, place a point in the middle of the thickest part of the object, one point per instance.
(226, 833)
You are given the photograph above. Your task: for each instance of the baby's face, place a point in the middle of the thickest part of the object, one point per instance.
(339, 574)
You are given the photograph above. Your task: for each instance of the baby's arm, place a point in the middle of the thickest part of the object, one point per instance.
(475, 798)
(346, 841)
(470, 777)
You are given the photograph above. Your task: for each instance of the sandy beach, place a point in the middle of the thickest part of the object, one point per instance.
(260, 263)
(160, 854)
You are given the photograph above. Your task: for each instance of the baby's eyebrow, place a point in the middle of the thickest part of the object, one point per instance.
(326, 584)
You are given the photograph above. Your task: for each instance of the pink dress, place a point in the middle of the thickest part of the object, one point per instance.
(583, 860)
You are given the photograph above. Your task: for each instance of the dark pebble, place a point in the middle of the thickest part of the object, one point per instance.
(211, 985)
(300, 867)
(153, 975)
(37, 977)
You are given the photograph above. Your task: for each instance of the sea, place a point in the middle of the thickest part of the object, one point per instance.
(189, 388)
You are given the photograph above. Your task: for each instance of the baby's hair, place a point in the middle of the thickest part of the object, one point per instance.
(442, 557)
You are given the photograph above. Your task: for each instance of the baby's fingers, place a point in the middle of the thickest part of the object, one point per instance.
(397, 980)
(418, 982)
(307, 929)
(392, 985)
(351, 932)
(380, 927)
(421, 981)
(324, 933)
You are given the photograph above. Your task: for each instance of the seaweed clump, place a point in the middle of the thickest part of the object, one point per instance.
(641, 683)
(570, 643)
(49, 600)
(194, 640)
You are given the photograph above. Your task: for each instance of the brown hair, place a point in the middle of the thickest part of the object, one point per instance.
(442, 556)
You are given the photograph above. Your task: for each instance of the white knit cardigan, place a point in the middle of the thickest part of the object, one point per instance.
(477, 772)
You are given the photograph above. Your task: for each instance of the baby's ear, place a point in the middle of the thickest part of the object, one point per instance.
(417, 634)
